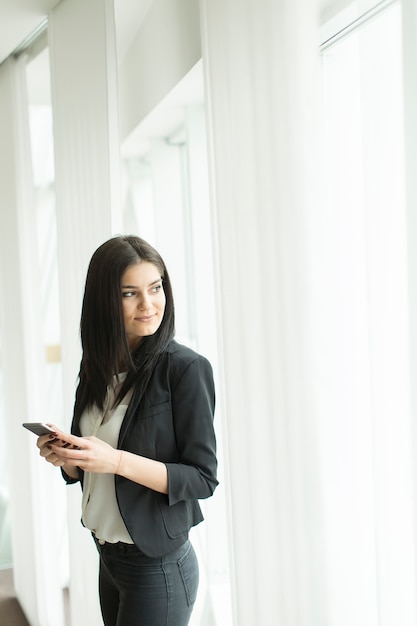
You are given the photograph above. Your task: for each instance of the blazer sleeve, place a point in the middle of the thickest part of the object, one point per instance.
(69, 479)
(193, 400)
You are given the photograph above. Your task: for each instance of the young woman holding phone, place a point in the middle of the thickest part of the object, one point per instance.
(142, 442)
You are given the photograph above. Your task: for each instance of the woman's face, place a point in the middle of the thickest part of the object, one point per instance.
(143, 300)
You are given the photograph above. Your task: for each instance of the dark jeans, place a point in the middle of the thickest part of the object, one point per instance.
(136, 590)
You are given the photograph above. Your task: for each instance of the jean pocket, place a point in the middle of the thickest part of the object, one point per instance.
(188, 568)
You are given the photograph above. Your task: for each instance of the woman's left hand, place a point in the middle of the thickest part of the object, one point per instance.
(94, 455)
(89, 453)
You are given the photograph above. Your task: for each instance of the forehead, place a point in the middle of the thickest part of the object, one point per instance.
(143, 272)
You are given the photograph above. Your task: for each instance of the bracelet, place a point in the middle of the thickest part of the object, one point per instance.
(120, 460)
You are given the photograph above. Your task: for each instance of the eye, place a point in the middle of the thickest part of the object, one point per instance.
(156, 288)
(127, 294)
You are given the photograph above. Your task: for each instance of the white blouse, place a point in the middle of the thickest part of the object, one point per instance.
(100, 511)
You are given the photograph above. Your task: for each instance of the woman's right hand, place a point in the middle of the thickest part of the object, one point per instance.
(43, 443)
(48, 454)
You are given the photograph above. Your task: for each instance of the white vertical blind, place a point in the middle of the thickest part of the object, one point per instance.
(32, 487)
(261, 63)
(84, 102)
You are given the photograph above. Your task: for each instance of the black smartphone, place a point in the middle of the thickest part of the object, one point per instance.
(38, 428)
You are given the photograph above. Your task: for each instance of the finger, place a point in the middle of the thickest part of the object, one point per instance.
(54, 428)
(62, 444)
(48, 454)
(45, 439)
(57, 462)
(67, 454)
(71, 439)
(50, 457)
(54, 460)
(45, 451)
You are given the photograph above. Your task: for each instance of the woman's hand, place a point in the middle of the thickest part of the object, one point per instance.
(94, 455)
(88, 453)
(43, 444)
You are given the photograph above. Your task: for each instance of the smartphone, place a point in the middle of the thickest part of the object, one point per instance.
(38, 428)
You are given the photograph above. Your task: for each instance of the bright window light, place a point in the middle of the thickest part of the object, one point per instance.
(365, 444)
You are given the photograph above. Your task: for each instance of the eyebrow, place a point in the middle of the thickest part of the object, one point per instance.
(158, 280)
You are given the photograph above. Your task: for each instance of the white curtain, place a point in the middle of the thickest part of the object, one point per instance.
(84, 102)
(35, 533)
(409, 28)
(261, 64)
(365, 419)
(317, 302)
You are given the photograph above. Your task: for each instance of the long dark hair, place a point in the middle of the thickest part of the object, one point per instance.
(103, 337)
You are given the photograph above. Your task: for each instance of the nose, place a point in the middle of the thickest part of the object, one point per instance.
(144, 302)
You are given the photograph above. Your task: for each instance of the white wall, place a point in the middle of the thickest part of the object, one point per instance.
(166, 47)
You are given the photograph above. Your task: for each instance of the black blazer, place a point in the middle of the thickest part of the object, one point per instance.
(172, 423)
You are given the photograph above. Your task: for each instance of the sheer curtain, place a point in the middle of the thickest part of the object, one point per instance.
(5, 526)
(35, 538)
(261, 65)
(314, 301)
(82, 48)
(365, 420)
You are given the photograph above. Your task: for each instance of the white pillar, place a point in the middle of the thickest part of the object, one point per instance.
(261, 64)
(87, 163)
(409, 21)
(35, 536)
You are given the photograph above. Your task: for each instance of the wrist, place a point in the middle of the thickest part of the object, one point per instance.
(119, 461)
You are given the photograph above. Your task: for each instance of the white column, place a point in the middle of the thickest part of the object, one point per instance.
(35, 536)
(409, 21)
(261, 64)
(84, 100)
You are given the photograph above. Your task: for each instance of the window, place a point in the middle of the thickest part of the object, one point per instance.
(166, 201)
(365, 443)
(43, 171)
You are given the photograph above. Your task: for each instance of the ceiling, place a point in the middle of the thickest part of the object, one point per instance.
(20, 18)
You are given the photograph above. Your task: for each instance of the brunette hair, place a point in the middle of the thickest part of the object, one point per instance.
(103, 337)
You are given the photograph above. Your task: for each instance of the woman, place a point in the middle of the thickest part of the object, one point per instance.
(142, 443)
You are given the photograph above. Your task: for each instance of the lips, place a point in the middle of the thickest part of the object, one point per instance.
(148, 318)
